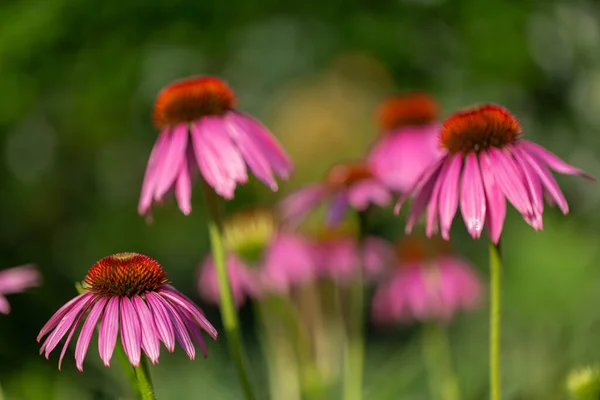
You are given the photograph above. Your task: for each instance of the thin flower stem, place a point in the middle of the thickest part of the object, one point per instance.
(438, 360)
(144, 381)
(495, 309)
(226, 303)
(355, 346)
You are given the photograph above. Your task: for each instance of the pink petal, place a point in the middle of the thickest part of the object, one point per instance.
(131, 336)
(271, 149)
(193, 328)
(17, 279)
(367, 192)
(432, 208)
(178, 300)
(74, 303)
(174, 159)
(4, 305)
(164, 325)
(219, 161)
(183, 190)
(181, 334)
(87, 331)
(150, 341)
(109, 328)
(72, 331)
(496, 205)
(295, 206)
(418, 184)
(336, 211)
(534, 185)
(448, 201)
(550, 159)
(422, 198)
(152, 171)
(472, 199)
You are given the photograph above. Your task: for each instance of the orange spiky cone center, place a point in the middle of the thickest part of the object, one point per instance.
(479, 128)
(412, 109)
(125, 274)
(188, 100)
(343, 175)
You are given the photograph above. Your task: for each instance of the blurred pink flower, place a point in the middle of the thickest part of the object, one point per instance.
(200, 129)
(349, 185)
(340, 257)
(15, 280)
(425, 288)
(409, 143)
(486, 161)
(127, 292)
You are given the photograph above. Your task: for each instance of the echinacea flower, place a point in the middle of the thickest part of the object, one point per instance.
(409, 125)
(425, 286)
(16, 280)
(263, 258)
(348, 185)
(201, 130)
(127, 293)
(485, 161)
(340, 255)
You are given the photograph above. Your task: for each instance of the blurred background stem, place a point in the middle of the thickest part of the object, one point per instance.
(495, 310)
(438, 361)
(143, 379)
(226, 303)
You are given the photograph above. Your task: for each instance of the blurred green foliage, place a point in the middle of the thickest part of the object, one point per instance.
(77, 83)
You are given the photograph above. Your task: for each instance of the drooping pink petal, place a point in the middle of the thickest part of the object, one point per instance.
(431, 223)
(511, 181)
(418, 184)
(72, 331)
(174, 157)
(87, 331)
(295, 206)
(551, 160)
(422, 197)
(534, 185)
(367, 192)
(58, 316)
(496, 205)
(131, 335)
(250, 150)
(109, 328)
(337, 208)
(17, 279)
(181, 334)
(271, 149)
(4, 305)
(219, 160)
(65, 322)
(178, 300)
(183, 189)
(152, 171)
(164, 325)
(150, 341)
(546, 178)
(448, 200)
(289, 260)
(195, 332)
(472, 198)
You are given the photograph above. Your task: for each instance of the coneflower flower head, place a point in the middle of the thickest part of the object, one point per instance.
(130, 293)
(262, 258)
(427, 283)
(201, 130)
(584, 384)
(485, 161)
(16, 280)
(345, 185)
(409, 127)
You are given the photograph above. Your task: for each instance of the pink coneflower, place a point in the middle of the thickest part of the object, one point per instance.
(263, 258)
(486, 161)
(200, 129)
(130, 293)
(348, 185)
(340, 256)
(15, 280)
(425, 286)
(410, 127)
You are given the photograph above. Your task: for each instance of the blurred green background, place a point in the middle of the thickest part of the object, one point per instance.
(77, 84)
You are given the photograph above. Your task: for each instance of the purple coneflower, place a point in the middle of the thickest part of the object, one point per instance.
(200, 129)
(425, 286)
(410, 127)
(348, 185)
(15, 280)
(486, 161)
(130, 293)
(263, 258)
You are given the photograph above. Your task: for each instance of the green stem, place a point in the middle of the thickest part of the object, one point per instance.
(495, 310)
(355, 347)
(144, 381)
(438, 360)
(226, 303)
